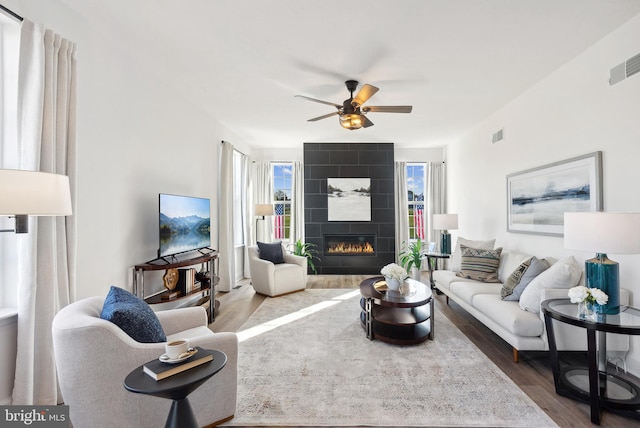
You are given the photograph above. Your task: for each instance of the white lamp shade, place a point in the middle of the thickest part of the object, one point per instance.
(445, 221)
(264, 209)
(34, 193)
(602, 232)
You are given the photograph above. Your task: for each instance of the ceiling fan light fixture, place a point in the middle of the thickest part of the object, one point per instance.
(351, 121)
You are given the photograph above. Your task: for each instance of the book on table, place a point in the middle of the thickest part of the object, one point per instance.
(159, 370)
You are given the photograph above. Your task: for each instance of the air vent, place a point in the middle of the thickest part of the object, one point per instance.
(625, 70)
(498, 136)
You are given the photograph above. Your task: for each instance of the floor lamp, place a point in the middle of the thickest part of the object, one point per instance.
(262, 210)
(32, 193)
(602, 233)
(445, 222)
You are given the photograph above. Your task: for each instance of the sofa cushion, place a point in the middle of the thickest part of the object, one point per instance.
(467, 291)
(509, 261)
(565, 273)
(509, 315)
(536, 267)
(456, 257)
(481, 265)
(444, 278)
(133, 315)
(271, 252)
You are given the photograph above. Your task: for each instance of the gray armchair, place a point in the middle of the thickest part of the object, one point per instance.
(277, 279)
(93, 357)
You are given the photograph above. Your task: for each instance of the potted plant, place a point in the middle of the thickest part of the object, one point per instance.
(307, 250)
(411, 258)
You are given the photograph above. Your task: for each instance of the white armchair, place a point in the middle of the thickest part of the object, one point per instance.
(277, 279)
(93, 357)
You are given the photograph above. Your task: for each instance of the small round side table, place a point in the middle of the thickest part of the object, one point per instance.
(176, 388)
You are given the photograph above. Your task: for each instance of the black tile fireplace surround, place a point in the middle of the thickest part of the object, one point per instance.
(350, 160)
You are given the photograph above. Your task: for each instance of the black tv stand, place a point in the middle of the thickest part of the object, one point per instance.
(203, 296)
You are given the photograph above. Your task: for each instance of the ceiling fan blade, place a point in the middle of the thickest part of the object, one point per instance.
(388, 109)
(323, 117)
(338, 106)
(366, 92)
(366, 122)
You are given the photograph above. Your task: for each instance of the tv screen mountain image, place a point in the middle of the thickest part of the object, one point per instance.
(184, 224)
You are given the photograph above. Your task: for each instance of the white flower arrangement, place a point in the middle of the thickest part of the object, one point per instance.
(581, 293)
(394, 271)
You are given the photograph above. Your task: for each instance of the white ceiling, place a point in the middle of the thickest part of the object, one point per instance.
(455, 61)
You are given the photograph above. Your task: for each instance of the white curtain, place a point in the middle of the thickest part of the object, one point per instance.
(247, 211)
(297, 204)
(262, 194)
(401, 205)
(226, 264)
(435, 197)
(47, 254)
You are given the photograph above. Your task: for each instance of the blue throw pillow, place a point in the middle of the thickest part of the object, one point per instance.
(271, 252)
(133, 315)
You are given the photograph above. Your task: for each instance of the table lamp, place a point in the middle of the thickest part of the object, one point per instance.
(35, 193)
(263, 210)
(445, 222)
(603, 232)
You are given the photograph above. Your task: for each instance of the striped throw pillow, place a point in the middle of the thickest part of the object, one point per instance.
(480, 265)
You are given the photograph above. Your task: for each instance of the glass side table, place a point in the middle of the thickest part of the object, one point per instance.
(594, 384)
(432, 263)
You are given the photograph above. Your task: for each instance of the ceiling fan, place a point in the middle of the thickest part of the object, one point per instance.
(352, 112)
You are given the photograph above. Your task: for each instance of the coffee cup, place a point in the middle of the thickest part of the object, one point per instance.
(175, 348)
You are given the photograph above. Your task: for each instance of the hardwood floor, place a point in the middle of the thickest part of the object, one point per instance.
(532, 374)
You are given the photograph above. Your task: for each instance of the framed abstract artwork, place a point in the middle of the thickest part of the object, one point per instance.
(349, 199)
(538, 198)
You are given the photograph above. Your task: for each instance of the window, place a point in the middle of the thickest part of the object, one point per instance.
(282, 186)
(416, 189)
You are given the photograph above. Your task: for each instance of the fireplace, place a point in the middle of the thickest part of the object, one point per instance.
(349, 245)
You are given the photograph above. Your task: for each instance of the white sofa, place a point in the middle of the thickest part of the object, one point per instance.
(523, 330)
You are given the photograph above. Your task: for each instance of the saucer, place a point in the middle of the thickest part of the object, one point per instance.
(165, 358)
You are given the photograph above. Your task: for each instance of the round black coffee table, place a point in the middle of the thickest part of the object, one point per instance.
(400, 318)
(176, 388)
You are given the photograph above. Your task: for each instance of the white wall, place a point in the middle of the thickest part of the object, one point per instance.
(136, 138)
(572, 112)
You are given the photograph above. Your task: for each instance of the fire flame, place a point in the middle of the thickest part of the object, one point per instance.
(350, 248)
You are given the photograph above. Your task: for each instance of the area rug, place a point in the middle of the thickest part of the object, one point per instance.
(304, 360)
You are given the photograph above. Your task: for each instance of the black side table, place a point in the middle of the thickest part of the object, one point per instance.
(432, 262)
(594, 384)
(176, 388)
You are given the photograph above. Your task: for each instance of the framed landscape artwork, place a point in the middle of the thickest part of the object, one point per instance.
(539, 197)
(349, 199)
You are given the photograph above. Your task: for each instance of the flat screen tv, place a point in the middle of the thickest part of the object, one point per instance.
(184, 224)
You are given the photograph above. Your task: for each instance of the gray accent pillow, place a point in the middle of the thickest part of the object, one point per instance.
(514, 278)
(536, 267)
(271, 252)
(479, 264)
(456, 257)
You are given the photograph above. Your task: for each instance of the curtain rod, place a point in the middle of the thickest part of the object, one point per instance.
(11, 13)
